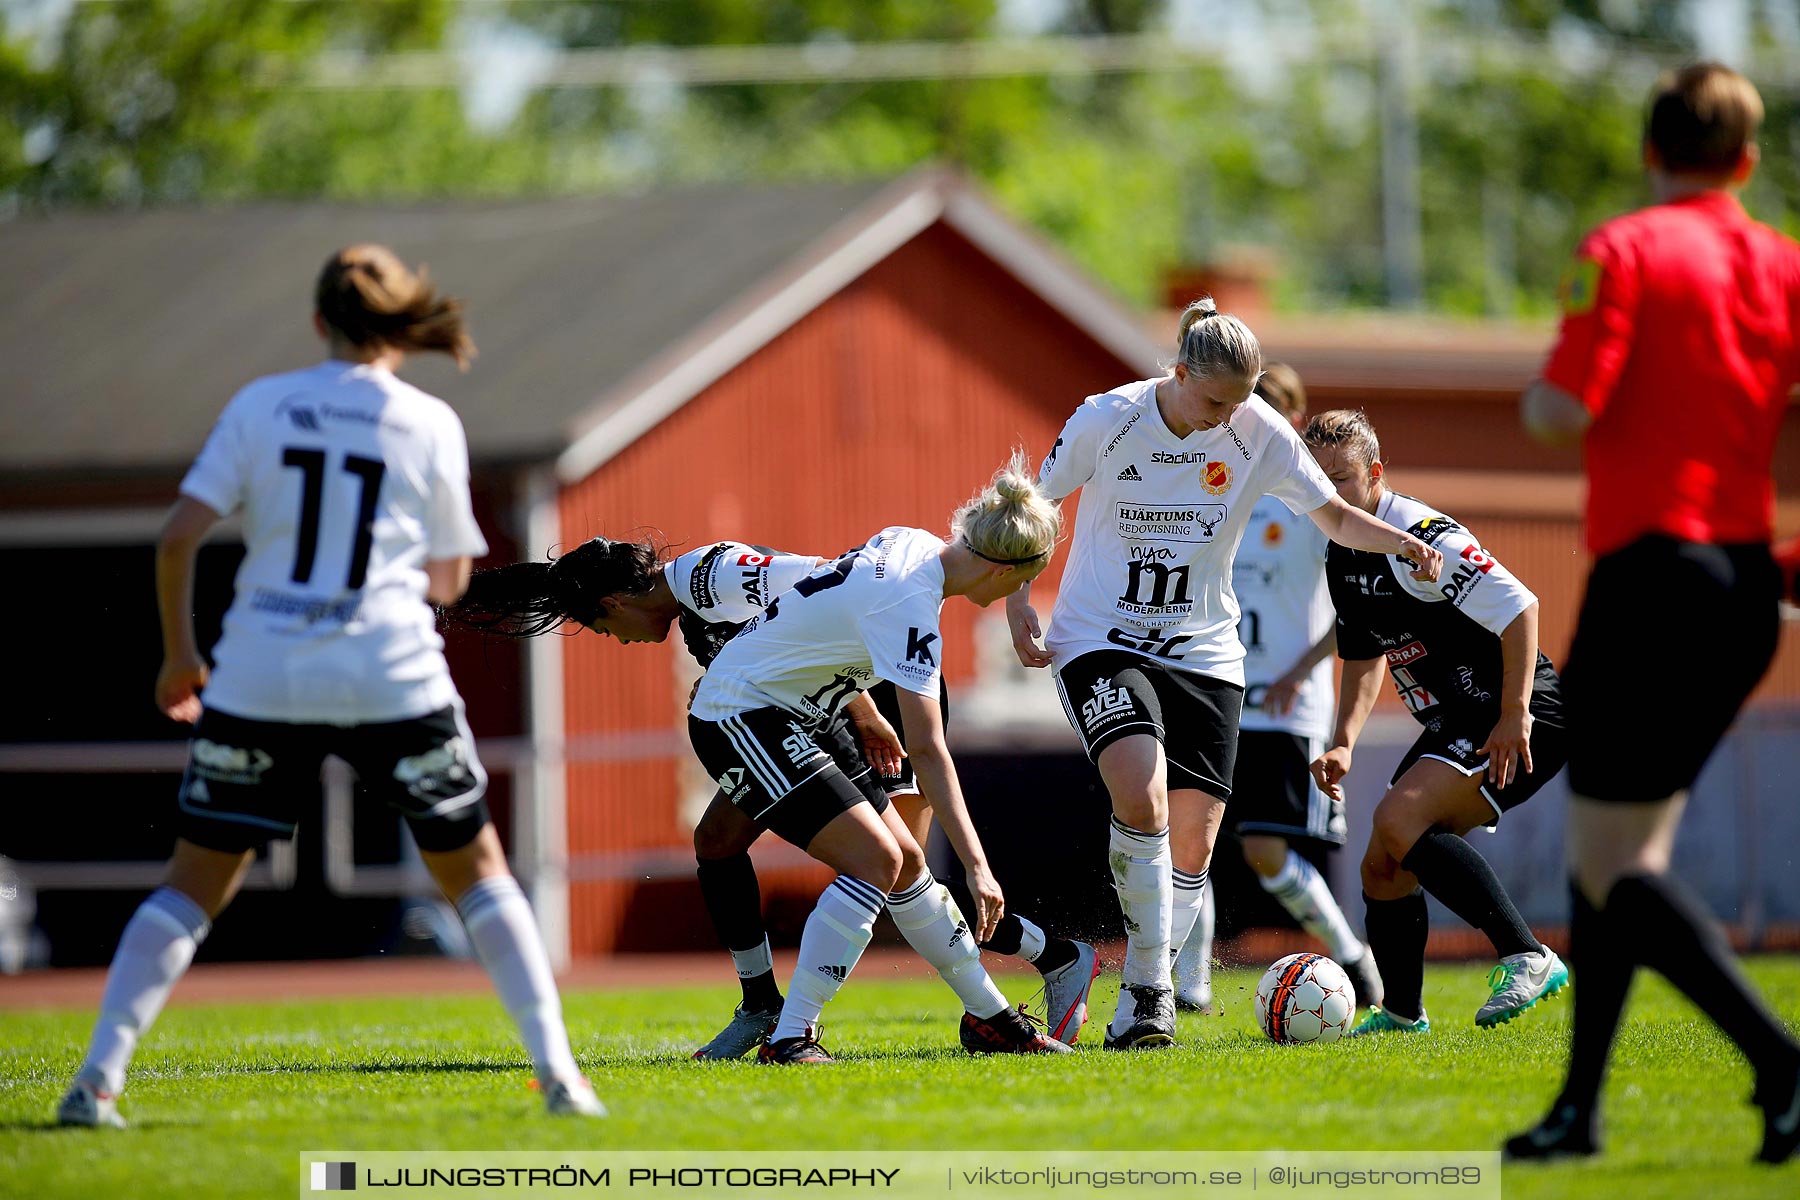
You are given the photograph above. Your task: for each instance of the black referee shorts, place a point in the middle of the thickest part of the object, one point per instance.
(1673, 638)
(783, 774)
(246, 780)
(1110, 694)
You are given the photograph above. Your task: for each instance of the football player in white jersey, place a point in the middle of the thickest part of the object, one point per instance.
(760, 723)
(354, 490)
(1288, 634)
(1144, 634)
(626, 590)
(1465, 661)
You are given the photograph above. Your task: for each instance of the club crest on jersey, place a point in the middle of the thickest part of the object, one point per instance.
(1272, 533)
(1215, 477)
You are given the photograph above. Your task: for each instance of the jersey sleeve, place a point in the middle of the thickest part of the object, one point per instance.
(220, 472)
(1070, 462)
(1599, 297)
(1472, 579)
(451, 530)
(1295, 477)
(734, 582)
(905, 644)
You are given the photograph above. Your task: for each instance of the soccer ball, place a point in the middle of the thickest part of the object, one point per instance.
(1305, 998)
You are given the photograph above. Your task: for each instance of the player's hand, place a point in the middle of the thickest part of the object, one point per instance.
(1426, 562)
(1026, 634)
(1279, 697)
(178, 686)
(1329, 769)
(1509, 747)
(881, 745)
(990, 903)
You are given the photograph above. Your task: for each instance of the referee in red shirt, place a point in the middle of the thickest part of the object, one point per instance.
(1680, 343)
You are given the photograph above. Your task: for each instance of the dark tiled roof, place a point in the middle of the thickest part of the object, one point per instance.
(123, 334)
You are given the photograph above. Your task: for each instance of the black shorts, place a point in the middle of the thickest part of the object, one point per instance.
(1110, 694)
(246, 780)
(1457, 737)
(783, 774)
(887, 703)
(1673, 638)
(1273, 793)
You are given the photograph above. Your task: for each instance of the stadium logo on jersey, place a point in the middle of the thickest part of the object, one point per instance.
(1130, 475)
(1163, 458)
(1411, 652)
(1109, 704)
(229, 764)
(1479, 558)
(1176, 523)
(731, 782)
(918, 647)
(1215, 477)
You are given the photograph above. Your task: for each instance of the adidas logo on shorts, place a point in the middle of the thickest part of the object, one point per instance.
(1130, 475)
(838, 973)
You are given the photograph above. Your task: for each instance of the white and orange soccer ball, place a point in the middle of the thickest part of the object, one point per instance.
(1305, 998)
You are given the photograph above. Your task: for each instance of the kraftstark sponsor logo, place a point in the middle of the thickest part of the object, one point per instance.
(918, 647)
(1130, 475)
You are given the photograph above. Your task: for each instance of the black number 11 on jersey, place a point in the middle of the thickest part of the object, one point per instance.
(368, 472)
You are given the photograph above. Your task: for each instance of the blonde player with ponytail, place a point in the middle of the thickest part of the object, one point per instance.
(1144, 637)
(763, 722)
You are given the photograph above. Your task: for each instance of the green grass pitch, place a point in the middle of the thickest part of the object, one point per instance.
(223, 1097)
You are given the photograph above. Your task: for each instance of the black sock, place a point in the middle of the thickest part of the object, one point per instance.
(1058, 953)
(1603, 970)
(1454, 871)
(1667, 928)
(1009, 934)
(1397, 931)
(734, 901)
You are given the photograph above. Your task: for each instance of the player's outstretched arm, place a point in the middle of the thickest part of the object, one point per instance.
(183, 672)
(1350, 526)
(937, 780)
(1508, 747)
(1022, 619)
(1357, 693)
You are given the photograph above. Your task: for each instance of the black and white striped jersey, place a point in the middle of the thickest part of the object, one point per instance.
(1441, 640)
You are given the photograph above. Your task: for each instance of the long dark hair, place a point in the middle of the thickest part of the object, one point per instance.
(529, 598)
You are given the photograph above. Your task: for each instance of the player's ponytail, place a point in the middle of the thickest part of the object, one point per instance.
(531, 598)
(1009, 521)
(369, 297)
(1211, 344)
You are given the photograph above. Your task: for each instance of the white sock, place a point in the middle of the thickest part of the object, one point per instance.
(1303, 892)
(836, 934)
(751, 963)
(1141, 876)
(1032, 940)
(1189, 899)
(933, 926)
(506, 940)
(1193, 966)
(154, 951)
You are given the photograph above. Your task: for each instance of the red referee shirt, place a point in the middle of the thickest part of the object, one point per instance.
(1681, 335)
